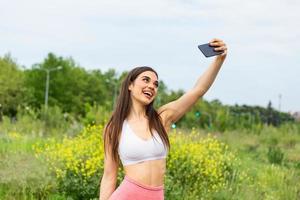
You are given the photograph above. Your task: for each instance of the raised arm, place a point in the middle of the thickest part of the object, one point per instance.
(174, 110)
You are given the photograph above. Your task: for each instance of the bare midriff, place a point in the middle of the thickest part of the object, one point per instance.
(150, 172)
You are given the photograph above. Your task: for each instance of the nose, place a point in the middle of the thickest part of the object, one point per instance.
(151, 86)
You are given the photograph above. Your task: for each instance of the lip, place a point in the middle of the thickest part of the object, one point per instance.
(148, 91)
(148, 97)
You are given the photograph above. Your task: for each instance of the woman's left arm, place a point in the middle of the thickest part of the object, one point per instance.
(174, 110)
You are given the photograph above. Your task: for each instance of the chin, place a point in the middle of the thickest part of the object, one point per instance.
(146, 103)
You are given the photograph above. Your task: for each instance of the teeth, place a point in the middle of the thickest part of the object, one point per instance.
(148, 93)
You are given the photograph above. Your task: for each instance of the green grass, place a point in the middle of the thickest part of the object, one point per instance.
(267, 180)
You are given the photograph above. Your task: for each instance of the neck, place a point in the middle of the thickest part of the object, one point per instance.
(137, 111)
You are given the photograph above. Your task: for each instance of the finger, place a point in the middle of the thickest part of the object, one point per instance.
(223, 48)
(216, 40)
(217, 44)
(224, 53)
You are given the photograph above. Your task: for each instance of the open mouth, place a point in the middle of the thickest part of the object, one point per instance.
(148, 94)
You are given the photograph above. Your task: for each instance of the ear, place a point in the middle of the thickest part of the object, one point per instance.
(130, 86)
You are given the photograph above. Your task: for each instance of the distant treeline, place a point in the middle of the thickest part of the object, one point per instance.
(78, 91)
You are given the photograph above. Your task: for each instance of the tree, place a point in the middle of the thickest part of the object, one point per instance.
(66, 86)
(11, 86)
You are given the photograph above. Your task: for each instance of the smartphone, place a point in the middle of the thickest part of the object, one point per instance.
(209, 51)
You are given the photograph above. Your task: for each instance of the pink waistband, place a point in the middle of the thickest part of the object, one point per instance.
(144, 186)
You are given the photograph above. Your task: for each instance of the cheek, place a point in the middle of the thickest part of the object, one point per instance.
(140, 85)
(137, 90)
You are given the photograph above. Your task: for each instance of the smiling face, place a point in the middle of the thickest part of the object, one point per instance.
(144, 88)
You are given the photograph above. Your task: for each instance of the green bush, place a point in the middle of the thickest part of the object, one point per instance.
(34, 123)
(275, 155)
(198, 167)
(195, 166)
(77, 163)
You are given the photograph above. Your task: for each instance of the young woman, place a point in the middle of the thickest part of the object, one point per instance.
(136, 133)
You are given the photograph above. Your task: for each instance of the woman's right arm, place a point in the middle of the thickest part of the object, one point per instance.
(109, 178)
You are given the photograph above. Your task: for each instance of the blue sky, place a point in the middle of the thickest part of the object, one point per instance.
(262, 37)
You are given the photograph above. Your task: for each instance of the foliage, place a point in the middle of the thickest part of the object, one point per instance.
(198, 167)
(82, 94)
(22, 176)
(215, 116)
(77, 163)
(275, 155)
(253, 176)
(95, 115)
(34, 122)
(11, 86)
(71, 87)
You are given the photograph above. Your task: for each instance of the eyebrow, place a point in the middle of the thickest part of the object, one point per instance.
(150, 79)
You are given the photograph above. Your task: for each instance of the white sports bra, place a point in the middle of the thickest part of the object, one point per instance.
(133, 149)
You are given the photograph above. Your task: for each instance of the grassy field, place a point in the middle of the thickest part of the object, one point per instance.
(270, 160)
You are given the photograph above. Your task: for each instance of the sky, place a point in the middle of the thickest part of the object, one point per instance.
(262, 37)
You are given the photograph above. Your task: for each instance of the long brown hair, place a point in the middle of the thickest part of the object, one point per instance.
(113, 128)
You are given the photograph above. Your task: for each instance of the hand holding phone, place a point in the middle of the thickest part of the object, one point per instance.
(208, 50)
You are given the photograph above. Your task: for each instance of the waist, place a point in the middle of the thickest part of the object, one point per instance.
(143, 185)
(150, 173)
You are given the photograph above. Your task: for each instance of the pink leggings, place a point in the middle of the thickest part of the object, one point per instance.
(130, 189)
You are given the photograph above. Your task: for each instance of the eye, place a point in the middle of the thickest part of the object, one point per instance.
(146, 79)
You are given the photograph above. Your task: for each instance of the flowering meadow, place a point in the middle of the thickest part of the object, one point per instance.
(200, 165)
